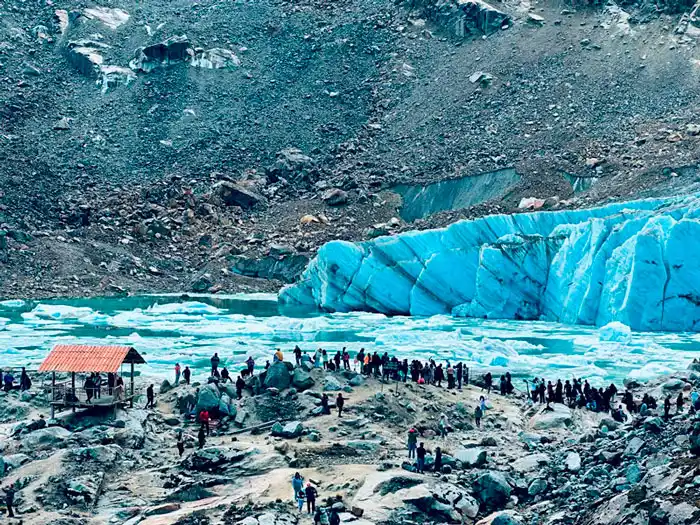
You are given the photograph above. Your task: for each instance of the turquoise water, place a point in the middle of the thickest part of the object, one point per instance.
(170, 329)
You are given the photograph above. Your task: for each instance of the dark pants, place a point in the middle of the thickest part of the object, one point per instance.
(88, 393)
(151, 403)
(346, 365)
(239, 392)
(10, 512)
(340, 410)
(180, 448)
(311, 505)
(459, 382)
(206, 425)
(421, 464)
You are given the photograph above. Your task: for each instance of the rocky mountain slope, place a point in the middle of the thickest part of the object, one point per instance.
(170, 144)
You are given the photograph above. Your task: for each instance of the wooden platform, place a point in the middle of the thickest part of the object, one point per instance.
(104, 401)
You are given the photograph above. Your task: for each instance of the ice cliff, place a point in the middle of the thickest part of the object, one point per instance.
(636, 262)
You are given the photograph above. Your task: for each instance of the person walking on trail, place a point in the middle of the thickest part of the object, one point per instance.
(300, 498)
(180, 443)
(443, 426)
(177, 374)
(340, 403)
(201, 437)
(240, 385)
(251, 365)
(150, 397)
(311, 494)
(420, 458)
(10, 500)
(478, 414)
(412, 442)
(204, 419)
(215, 363)
(187, 373)
(297, 484)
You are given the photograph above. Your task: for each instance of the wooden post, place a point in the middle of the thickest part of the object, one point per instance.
(131, 404)
(72, 382)
(53, 394)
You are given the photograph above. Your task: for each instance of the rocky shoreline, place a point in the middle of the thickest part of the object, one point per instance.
(524, 465)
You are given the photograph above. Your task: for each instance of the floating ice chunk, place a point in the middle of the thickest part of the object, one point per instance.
(184, 308)
(615, 332)
(60, 311)
(12, 304)
(649, 371)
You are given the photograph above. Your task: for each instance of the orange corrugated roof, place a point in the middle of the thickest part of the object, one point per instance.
(86, 358)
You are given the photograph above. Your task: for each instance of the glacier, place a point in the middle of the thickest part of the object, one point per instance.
(635, 263)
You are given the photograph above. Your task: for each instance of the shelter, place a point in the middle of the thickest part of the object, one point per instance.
(87, 359)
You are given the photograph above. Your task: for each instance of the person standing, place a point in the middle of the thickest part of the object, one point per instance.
(443, 426)
(150, 397)
(325, 405)
(340, 403)
(240, 385)
(420, 458)
(201, 438)
(111, 381)
(251, 365)
(177, 374)
(25, 383)
(300, 497)
(460, 375)
(89, 388)
(478, 414)
(215, 363)
(297, 355)
(180, 443)
(437, 467)
(412, 442)
(225, 375)
(297, 484)
(679, 403)
(488, 382)
(346, 359)
(204, 419)
(10, 500)
(187, 373)
(98, 385)
(311, 494)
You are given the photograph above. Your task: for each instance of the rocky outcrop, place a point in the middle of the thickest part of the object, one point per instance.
(232, 194)
(463, 18)
(286, 268)
(278, 376)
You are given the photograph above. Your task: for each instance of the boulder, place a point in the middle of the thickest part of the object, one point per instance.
(165, 386)
(464, 17)
(573, 462)
(208, 398)
(633, 473)
(653, 424)
(530, 463)
(331, 384)
(83, 489)
(214, 458)
(538, 486)
(292, 165)
(335, 197)
(673, 384)
(302, 380)
(471, 457)
(492, 489)
(634, 446)
(290, 430)
(174, 49)
(282, 268)
(232, 194)
(278, 376)
(505, 519)
(226, 406)
(560, 417)
(45, 439)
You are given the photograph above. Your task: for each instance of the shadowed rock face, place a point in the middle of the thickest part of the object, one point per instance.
(631, 262)
(420, 201)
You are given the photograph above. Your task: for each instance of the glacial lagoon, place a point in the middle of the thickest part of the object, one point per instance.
(170, 329)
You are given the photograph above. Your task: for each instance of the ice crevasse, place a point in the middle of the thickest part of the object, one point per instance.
(634, 262)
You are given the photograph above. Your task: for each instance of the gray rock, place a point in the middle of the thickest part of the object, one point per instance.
(471, 457)
(232, 194)
(290, 430)
(653, 424)
(208, 398)
(174, 49)
(331, 384)
(560, 417)
(165, 386)
(538, 486)
(278, 376)
(633, 473)
(83, 489)
(573, 462)
(335, 197)
(673, 384)
(292, 165)
(492, 489)
(14, 461)
(634, 446)
(357, 380)
(505, 519)
(302, 380)
(45, 438)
